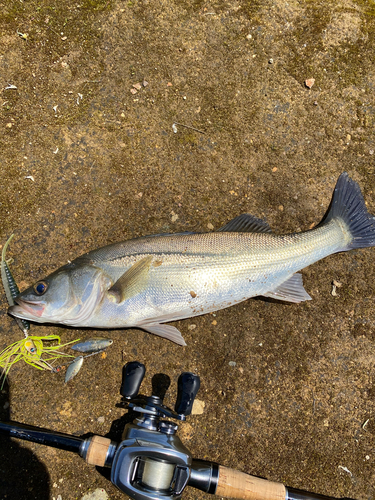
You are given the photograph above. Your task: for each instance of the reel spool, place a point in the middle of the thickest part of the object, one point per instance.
(157, 474)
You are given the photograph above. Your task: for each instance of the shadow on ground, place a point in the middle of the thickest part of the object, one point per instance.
(22, 474)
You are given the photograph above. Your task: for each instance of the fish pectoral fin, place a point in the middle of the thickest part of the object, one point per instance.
(133, 281)
(246, 223)
(167, 331)
(291, 290)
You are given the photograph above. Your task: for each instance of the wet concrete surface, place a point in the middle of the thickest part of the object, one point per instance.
(89, 157)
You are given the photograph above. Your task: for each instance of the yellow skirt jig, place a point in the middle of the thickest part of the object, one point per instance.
(30, 351)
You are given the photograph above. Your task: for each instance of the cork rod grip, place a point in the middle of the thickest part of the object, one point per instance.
(97, 451)
(235, 484)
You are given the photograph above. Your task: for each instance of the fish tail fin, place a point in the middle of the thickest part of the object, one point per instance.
(349, 205)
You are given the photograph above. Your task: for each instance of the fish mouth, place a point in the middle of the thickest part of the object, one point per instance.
(26, 309)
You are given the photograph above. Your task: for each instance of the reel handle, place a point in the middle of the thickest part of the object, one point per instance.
(132, 376)
(187, 388)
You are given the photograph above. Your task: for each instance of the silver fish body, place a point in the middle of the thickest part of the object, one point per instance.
(92, 345)
(151, 280)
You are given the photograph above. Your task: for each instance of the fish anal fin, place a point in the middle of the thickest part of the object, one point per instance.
(166, 331)
(291, 290)
(246, 223)
(133, 281)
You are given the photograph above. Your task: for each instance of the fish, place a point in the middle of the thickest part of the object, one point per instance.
(73, 368)
(149, 281)
(93, 345)
(10, 286)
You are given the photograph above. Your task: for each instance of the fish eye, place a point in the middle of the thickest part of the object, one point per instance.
(40, 288)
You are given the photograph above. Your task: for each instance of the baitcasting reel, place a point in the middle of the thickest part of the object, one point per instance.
(151, 463)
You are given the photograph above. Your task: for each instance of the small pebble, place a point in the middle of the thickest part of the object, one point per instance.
(309, 82)
(232, 363)
(192, 327)
(210, 226)
(101, 420)
(98, 494)
(270, 61)
(198, 407)
(335, 284)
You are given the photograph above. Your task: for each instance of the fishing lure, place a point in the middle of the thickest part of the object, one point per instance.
(73, 368)
(10, 286)
(31, 348)
(30, 351)
(96, 344)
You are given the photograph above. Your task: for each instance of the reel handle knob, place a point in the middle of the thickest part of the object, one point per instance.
(132, 376)
(188, 386)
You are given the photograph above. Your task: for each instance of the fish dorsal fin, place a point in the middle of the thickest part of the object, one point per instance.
(167, 331)
(133, 281)
(246, 223)
(291, 290)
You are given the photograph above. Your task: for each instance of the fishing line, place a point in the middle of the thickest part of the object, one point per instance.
(157, 474)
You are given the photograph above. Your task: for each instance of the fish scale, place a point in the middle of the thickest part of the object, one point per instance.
(148, 281)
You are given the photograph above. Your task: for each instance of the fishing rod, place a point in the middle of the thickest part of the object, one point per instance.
(151, 463)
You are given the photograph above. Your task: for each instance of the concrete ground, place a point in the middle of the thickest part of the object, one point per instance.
(89, 156)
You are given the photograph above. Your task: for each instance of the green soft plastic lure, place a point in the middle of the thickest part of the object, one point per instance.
(10, 286)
